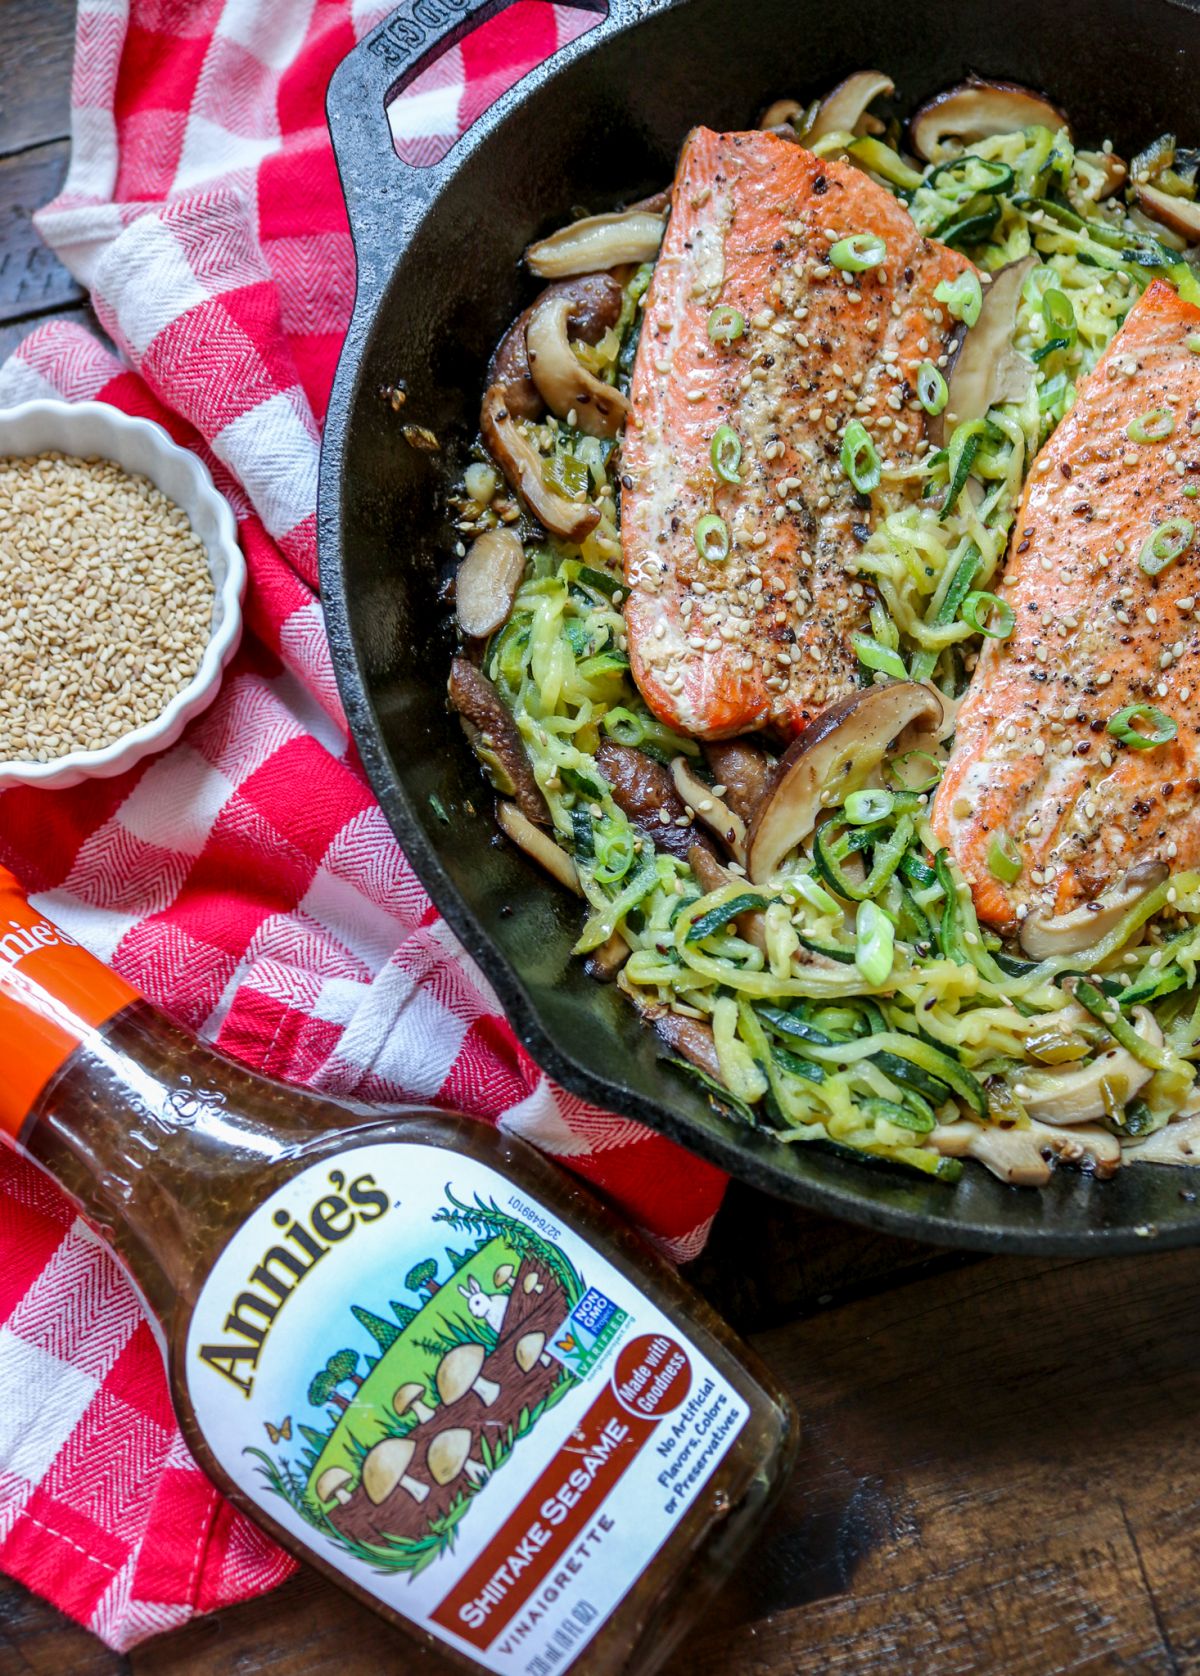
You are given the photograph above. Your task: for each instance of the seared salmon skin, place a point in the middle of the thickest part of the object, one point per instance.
(761, 637)
(1105, 620)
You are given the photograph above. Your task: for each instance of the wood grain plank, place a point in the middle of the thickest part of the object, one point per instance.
(997, 1475)
(35, 71)
(35, 1640)
(31, 278)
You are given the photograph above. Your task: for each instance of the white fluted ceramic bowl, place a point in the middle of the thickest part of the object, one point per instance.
(94, 429)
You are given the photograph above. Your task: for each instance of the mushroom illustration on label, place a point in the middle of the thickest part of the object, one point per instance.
(530, 1350)
(450, 1453)
(408, 1400)
(442, 1387)
(334, 1485)
(460, 1371)
(386, 1469)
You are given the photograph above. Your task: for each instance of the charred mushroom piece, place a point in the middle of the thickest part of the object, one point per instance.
(822, 763)
(495, 737)
(744, 769)
(522, 465)
(843, 110)
(487, 582)
(1045, 935)
(460, 1371)
(538, 845)
(334, 1485)
(976, 109)
(1181, 215)
(385, 1469)
(1018, 1156)
(604, 963)
(529, 1350)
(716, 815)
(782, 114)
(409, 1400)
(447, 1454)
(644, 790)
(595, 306)
(1082, 1093)
(597, 242)
(690, 1037)
(564, 383)
(1178, 1143)
(987, 369)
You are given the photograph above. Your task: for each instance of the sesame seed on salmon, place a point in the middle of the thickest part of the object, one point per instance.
(763, 637)
(1094, 634)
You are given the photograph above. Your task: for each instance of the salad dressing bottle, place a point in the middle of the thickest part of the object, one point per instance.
(425, 1361)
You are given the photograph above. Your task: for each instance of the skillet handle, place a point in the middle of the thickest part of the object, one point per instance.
(385, 196)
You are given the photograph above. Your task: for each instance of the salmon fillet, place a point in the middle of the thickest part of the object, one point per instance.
(1094, 634)
(763, 639)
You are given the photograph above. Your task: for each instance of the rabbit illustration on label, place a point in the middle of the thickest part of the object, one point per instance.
(485, 1306)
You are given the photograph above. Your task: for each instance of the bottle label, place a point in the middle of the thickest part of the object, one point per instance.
(444, 1393)
(53, 993)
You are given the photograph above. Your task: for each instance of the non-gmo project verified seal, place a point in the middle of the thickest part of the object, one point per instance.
(586, 1334)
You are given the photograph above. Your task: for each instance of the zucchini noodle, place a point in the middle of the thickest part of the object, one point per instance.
(806, 1048)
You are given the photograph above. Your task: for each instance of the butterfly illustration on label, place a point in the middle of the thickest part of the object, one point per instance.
(282, 1433)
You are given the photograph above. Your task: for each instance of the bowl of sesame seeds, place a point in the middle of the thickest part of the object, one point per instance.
(121, 584)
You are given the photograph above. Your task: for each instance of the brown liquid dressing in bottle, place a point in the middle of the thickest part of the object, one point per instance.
(418, 1355)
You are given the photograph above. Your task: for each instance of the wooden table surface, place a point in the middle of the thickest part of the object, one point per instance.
(999, 1470)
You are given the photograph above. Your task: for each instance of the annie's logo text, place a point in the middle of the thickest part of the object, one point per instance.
(332, 1219)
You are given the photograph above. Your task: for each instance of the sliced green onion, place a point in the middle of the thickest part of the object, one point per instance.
(1053, 391)
(858, 253)
(874, 943)
(1155, 425)
(988, 614)
(726, 454)
(623, 726)
(860, 457)
(725, 324)
(815, 894)
(1190, 490)
(614, 855)
(1163, 727)
(1004, 859)
(962, 296)
(712, 538)
(1059, 316)
(1166, 544)
(931, 388)
(865, 807)
(1193, 342)
(879, 657)
(894, 769)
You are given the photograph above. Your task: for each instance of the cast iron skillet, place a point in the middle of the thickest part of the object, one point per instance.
(438, 280)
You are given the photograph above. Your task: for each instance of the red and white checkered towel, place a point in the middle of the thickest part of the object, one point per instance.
(246, 880)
